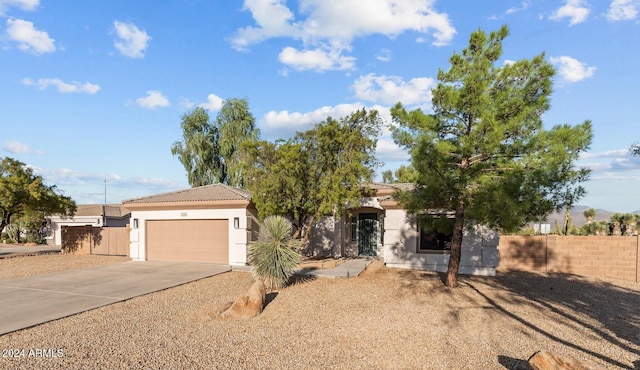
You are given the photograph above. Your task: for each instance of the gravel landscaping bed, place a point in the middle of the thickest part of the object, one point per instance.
(386, 318)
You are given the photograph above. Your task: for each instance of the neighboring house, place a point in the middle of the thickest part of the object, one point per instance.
(213, 223)
(381, 227)
(94, 215)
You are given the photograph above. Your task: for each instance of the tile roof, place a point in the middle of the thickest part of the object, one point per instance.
(215, 192)
(395, 186)
(111, 210)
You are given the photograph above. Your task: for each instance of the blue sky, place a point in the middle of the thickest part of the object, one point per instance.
(94, 90)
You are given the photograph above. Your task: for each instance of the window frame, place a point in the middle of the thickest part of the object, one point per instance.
(419, 240)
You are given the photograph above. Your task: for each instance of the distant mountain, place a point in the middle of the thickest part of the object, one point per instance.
(577, 216)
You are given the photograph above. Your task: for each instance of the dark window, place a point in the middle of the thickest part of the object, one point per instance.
(436, 238)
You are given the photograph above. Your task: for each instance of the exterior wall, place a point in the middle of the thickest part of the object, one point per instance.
(56, 223)
(54, 236)
(253, 225)
(238, 238)
(615, 257)
(324, 238)
(479, 248)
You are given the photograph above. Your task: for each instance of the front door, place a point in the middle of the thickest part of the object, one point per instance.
(367, 234)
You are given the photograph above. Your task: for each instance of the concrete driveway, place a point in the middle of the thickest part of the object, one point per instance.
(35, 300)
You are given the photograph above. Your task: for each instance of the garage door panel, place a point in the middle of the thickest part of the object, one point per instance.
(188, 240)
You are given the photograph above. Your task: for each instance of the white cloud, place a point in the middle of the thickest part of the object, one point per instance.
(317, 59)
(284, 124)
(612, 160)
(29, 38)
(15, 147)
(389, 151)
(328, 27)
(214, 102)
(22, 4)
(131, 41)
(606, 154)
(523, 6)
(576, 10)
(70, 178)
(63, 87)
(153, 100)
(572, 70)
(302, 121)
(392, 89)
(186, 103)
(384, 55)
(622, 10)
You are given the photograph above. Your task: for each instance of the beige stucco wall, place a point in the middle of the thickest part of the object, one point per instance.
(238, 238)
(479, 247)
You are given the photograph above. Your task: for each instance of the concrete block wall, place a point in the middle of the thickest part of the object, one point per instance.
(615, 257)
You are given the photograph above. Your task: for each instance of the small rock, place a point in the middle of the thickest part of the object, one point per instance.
(546, 360)
(250, 304)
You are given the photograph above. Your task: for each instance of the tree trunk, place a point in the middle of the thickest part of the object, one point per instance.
(451, 280)
(307, 232)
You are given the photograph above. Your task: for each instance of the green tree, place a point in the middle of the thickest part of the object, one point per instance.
(387, 177)
(24, 193)
(406, 174)
(483, 153)
(209, 150)
(199, 152)
(236, 125)
(317, 173)
(403, 174)
(274, 257)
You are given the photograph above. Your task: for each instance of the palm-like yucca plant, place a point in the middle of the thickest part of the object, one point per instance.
(273, 257)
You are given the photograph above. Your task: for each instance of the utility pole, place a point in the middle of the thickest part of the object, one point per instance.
(104, 208)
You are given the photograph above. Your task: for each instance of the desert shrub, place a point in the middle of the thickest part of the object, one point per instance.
(274, 257)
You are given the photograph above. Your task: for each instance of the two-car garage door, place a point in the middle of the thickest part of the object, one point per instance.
(188, 240)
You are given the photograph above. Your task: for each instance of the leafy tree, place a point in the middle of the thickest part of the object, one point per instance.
(404, 174)
(24, 193)
(209, 150)
(387, 177)
(317, 173)
(236, 125)
(199, 153)
(483, 152)
(273, 257)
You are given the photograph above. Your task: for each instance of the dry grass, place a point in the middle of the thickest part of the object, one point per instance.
(387, 318)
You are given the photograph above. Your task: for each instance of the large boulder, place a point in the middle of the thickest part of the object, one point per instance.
(249, 305)
(546, 360)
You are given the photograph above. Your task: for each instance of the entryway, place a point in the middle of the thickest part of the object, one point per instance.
(368, 226)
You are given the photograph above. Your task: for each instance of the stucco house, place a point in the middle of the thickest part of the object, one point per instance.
(213, 223)
(380, 226)
(94, 215)
(217, 223)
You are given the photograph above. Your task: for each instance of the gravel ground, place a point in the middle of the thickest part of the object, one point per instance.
(387, 319)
